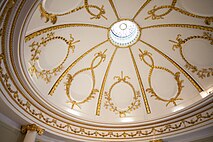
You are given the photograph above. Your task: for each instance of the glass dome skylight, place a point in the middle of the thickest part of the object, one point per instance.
(124, 33)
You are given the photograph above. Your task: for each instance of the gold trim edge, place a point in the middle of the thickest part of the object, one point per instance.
(1, 76)
(62, 26)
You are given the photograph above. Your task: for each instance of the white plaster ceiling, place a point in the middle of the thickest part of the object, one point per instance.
(157, 43)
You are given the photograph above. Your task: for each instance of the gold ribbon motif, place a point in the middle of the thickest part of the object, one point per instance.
(171, 7)
(151, 90)
(46, 75)
(111, 106)
(178, 44)
(54, 17)
(97, 60)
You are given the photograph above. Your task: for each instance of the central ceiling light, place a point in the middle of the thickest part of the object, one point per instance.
(124, 33)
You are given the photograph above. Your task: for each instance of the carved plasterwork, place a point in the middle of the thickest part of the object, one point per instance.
(101, 90)
(55, 121)
(6, 5)
(96, 61)
(172, 7)
(36, 50)
(151, 90)
(54, 17)
(32, 127)
(178, 44)
(155, 16)
(133, 105)
(190, 121)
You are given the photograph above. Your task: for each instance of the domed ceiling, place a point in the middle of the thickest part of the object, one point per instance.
(115, 63)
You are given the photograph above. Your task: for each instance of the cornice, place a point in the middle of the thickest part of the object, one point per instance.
(195, 116)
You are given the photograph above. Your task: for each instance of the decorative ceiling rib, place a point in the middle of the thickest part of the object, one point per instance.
(68, 73)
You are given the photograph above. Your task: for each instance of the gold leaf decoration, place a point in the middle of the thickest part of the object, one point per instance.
(54, 17)
(36, 49)
(97, 60)
(178, 44)
(133, 105)
(152, 66)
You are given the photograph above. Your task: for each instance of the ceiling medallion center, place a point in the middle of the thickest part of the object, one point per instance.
(124, 33)
(123, 26)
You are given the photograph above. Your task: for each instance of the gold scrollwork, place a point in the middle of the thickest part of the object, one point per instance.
(202, 73)
(52, 90)
(53, 17)
(101, 56)
(36, 51)
(171, 7)
(194, 120)
(176, 75)
(160, 16)
(183, 123)
(133, 106)
(95, 16)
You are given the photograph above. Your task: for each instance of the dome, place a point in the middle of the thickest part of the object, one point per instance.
(110, 70)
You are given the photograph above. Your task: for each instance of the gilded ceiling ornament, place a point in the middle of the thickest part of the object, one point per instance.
(114, 9)
(146, 103)
(53, 17)
(42, 116)
(189, 121)
(69, 77)
(193, 82)
(32, 127)
(171, 7)
(98, 108)
(97, 60)
(62, 26)
(1, 59)
(141, 8)
(71, 66)
(178, 44)
(36, 49)
(188, 26)
(9, 5)
(133, 105)
(95, 16)
(151, 90)
(160, 16)
(1, 69)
